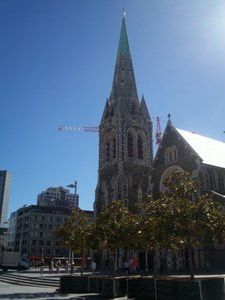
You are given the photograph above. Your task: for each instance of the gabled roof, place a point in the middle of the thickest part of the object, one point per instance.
(212, 152)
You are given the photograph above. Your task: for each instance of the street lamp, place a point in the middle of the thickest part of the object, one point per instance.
(5, 235)
(74, 185)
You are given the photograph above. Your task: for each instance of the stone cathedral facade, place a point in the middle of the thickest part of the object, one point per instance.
(125, 137)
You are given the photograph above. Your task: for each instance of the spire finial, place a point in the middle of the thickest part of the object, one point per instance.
(169, 118)
(124, 13)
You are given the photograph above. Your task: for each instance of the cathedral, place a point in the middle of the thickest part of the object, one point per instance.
(127, 171)
(125, 137)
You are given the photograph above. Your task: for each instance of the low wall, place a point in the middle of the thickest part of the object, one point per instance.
(146, 287)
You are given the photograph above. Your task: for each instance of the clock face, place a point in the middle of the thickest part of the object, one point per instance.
(165, 176)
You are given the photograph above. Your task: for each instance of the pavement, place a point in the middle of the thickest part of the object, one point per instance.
(10, 290)
(13, 291)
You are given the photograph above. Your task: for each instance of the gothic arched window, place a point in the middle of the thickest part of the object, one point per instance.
(112, 112)
(214, 180)
(130, 148)
(108, 151)
(170, 155)
(114, 148)
(221, 182)
(140, 147)
(207, 181)
(133, 108)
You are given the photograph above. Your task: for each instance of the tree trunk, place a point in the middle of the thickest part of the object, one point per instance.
(146, 260)
(82, 263)
(115, 260)
(154, 261)
(190, 262)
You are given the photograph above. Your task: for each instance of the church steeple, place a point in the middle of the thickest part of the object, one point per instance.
(124, 86)
(125, 137)
(123, 48)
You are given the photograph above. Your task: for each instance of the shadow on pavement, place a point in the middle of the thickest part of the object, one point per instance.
(49, 296)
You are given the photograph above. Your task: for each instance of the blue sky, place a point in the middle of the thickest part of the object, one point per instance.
(57, 60)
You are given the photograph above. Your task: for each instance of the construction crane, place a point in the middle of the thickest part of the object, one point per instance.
(85, 128)
(158, 135)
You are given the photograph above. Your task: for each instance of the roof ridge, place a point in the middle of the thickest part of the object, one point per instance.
(201, 135)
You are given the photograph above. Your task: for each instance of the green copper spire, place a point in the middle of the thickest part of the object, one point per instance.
(123, 48)
(124, 87)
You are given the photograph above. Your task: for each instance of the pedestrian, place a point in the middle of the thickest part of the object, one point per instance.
(67, 266)
(72, 268)
(52, 265)
(134, 264)
(42, 265)
(93, 266)
(58, 263)
(126, 266)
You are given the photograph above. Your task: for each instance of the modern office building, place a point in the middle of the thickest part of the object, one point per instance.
(58, 197)
(32, 231)
(5, 179)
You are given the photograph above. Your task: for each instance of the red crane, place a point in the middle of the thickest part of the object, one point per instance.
(158, 134)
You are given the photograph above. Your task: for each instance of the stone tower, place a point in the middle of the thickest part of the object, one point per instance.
(125, 137)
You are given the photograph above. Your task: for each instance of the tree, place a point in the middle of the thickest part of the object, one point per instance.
(149, 238)
(75, 233)
(114, 229)
(188, 219)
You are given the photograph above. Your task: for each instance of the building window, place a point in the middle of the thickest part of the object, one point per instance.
(112, 112)
(221, 182)
(166, 175)
(130, 145)
(114, 147)
(140, 147)
(108, 151)
(133, 109)
(170, 155)
(207, 181)
(214, 180)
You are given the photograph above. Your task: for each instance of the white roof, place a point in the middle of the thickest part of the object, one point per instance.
(211, 151)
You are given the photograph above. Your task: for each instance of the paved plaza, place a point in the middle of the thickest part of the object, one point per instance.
(15, 291)
(9, 291)
(34, 285)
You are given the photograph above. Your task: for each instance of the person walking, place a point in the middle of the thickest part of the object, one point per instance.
(126, 265)
(93, 266)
